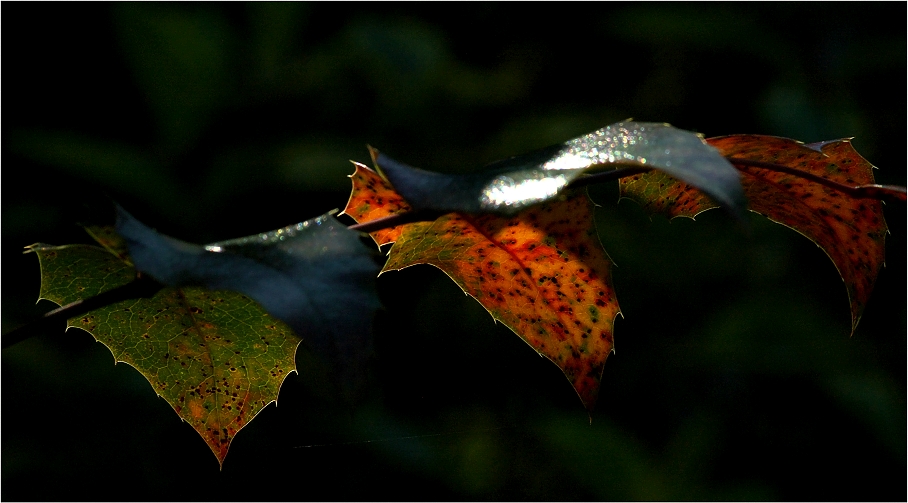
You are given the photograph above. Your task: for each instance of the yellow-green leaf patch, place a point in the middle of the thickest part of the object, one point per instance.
(215, 356)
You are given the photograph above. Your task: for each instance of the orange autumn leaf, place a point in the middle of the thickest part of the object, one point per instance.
(851, 231)
(541, 272)
(373, 198)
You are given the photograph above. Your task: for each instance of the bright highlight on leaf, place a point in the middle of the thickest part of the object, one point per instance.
(511, 185)
(850, 230)
(519, 238)
(542, 272)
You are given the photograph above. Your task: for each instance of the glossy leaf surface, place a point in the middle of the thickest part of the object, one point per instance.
(850, 230)
(511, 185)
(542, 272)
(215, 356)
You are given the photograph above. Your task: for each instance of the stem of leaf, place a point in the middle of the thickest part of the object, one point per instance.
(428, 216)
(395, 220)
(144, 286)
(607, 176)
(141, 287)
(892, 192)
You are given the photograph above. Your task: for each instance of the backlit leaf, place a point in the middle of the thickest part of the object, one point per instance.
(542, 271)
(508, 186)
(207, 345)
(215, 356)
(373, 198)
(315, 276)
(850, 230)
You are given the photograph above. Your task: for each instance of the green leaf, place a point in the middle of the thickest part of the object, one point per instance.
(508, 186)
(215, 356)
(207, 345)
(316, 276)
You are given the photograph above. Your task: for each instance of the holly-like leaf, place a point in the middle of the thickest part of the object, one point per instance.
(542, 271)
(301, 274)
(207, 345)
(511, 185)
(850, 229)
(215, 356)
(373, 198)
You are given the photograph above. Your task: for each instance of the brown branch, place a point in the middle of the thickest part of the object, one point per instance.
(144, 286)
(607, 176)
(395, 220)
(141, 287)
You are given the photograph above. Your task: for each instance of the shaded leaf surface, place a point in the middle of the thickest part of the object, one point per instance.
(207, 345)
(542, 272)
(851, 231)
(315, 276)
(215, 356)
(508, 186)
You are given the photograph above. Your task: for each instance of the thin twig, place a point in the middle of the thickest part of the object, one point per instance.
(395, 220)
(144, 286)
(607, 176)
(872, 191)
(141, 287)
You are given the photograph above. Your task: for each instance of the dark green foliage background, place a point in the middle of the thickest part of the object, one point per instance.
(734, 376)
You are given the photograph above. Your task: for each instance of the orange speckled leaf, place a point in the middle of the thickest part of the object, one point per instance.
(851, 231)
(541, 272)
(372, 198)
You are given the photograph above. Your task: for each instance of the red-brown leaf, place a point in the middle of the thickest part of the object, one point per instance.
(850, 230)
(541, 272)
(373, 198)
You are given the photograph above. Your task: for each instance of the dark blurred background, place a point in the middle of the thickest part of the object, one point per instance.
(734, 379)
